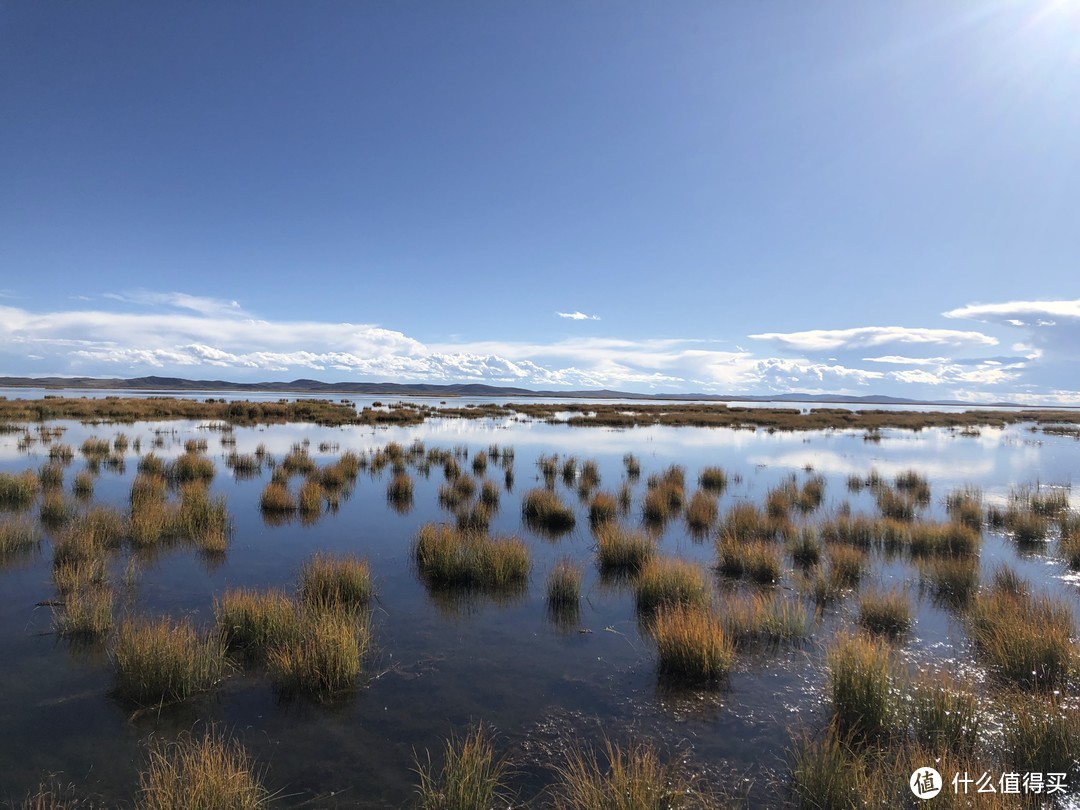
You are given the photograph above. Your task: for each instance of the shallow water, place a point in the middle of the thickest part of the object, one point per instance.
(438, 664)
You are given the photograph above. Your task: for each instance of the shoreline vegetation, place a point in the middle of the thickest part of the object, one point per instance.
(585, 414)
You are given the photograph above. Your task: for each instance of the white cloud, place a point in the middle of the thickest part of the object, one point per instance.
(578, 316)
(1019, 313)
(821, 340)
(900, 360)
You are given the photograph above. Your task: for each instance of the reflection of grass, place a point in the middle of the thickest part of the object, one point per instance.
(161, 661)
(471, 776)
(206, 772)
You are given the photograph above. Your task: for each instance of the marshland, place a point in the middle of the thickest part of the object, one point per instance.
(477, 604)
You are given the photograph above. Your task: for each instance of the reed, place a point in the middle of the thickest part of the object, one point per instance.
(667, 582)
(159, 661)
(210, 772)
(471, 776)
(622, 550)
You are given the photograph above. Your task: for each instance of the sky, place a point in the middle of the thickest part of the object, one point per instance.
(736, 197)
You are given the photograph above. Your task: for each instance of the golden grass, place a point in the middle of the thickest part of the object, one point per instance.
(276, 499)
(471, 776)
(324, 658)
(543, 509)
(448, 557)
(17, 537)
(885, 612)
(159, 661)
(564, 585)
(338, 582)
(701, 511)
(18, 490)
(692, 643)
(666, 582)
(210, 772)
(86, 611)
(602, 508)
(252, 622)
(619, 549)
(400, 489)
(770, 618)
(861, 682)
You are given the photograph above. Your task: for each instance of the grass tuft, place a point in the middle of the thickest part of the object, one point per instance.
(448, 557)
(668, 582)
(471, 776)
(692, 644)
(162, 661)
(542, 508)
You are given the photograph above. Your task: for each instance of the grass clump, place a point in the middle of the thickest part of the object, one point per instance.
(324, 658)
(804, 548)
(667, 582)
(846, 565)
(622, 550)
(17, 537)
(207, 773)
(762, 561)
(1026, 640)
(564, 586)
(764, 618)
(692, 644)
(161, 661)
(252, 622)
(336, 582)
(276, 499)
(633, 777)
(55, 510)
(190, 467)
(87, 611)
(1044, 735)
(400, 489)
(954, 538)
(471, 776)
(861, 684)
(602, 508)
(18, 490)
(202, 519)
(701, 511)
(542, 508)
(83, 486)
(954, 580)
(713, 479)
(833, 773)
(885, 612)
(448, 557)
(944, 715)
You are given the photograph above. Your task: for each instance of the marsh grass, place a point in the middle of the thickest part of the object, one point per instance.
(1069, 540)
(966, 506)
(400, 489)
(885, 612)
(622, 550)
(692, 644)
(160, 661)
(471, 776)
(17, 537)
(202, 519)
(834, 772)
(630, 777)
(324, 658)
(632, 466)
(210, 772)
(473, 517)
(762, 561)
(1044, 735)
(337, 582)
(744, 521)
(190, 466)
(1026, 641)
(51, 475)
(489, 493)
(602, 508)
(564, 586)
(701, 511)
(954, 580)
(83, 485)
(805, 548)
(713, 479)
(656, 505)
(944, 714)
(86, 611)
(448, 557)
(251, 622)
(668, 582)
(276, 499)
(753, 618)
(55, 509)
(18, 490)
(861, 684)
(543, 509)
(953, 538)
(846, 564)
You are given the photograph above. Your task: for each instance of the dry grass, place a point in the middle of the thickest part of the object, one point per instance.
(701, 511)
(861, 681)
(324, 658)
(471, 776)
(885, 612)
(622, 550)
(276, 499)
(564, 585)
(451, 558)
(86, 611)
(337, 582)
(692, 643)
(768, 618)
(17, 537)
(602, 508)
(18, 490)
(668, 582)
(158, 661)
(210, 772)
(542, 509)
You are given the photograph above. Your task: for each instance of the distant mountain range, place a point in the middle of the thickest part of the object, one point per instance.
(181, 385)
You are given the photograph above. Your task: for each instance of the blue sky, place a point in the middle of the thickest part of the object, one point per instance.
(727, 197)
